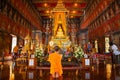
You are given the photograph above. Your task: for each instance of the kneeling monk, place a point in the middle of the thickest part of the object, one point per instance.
(55, 61)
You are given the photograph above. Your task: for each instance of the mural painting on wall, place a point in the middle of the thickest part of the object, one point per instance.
(9, 28)
(15, 29)
(5, 39)
(118, 21)
(116, 25)
(108, 28)
(3, 26)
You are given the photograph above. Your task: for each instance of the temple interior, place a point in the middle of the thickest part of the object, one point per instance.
(86, 31)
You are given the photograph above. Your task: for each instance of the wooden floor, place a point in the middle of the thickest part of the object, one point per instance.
(101, 71)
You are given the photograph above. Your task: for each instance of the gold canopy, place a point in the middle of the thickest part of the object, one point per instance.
(60, 7)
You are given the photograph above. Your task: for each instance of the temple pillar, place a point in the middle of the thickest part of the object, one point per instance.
(38, 38)
(73, 38)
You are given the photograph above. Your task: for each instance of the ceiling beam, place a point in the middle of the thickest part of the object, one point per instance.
(55, 1)
(50, 8)
(79, 14)
(44, 14)
(43, 8)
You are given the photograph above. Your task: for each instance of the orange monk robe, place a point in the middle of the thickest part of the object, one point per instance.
(55, 61)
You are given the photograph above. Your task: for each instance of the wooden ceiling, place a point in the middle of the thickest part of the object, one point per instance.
(75, 7)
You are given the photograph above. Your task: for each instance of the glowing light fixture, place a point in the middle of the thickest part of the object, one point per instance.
(47, 11)
(73, 11)
(75, 4)
(71, 16)
(45, 4)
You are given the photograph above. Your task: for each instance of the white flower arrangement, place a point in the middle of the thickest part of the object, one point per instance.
(78, 53)
(39, 54)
